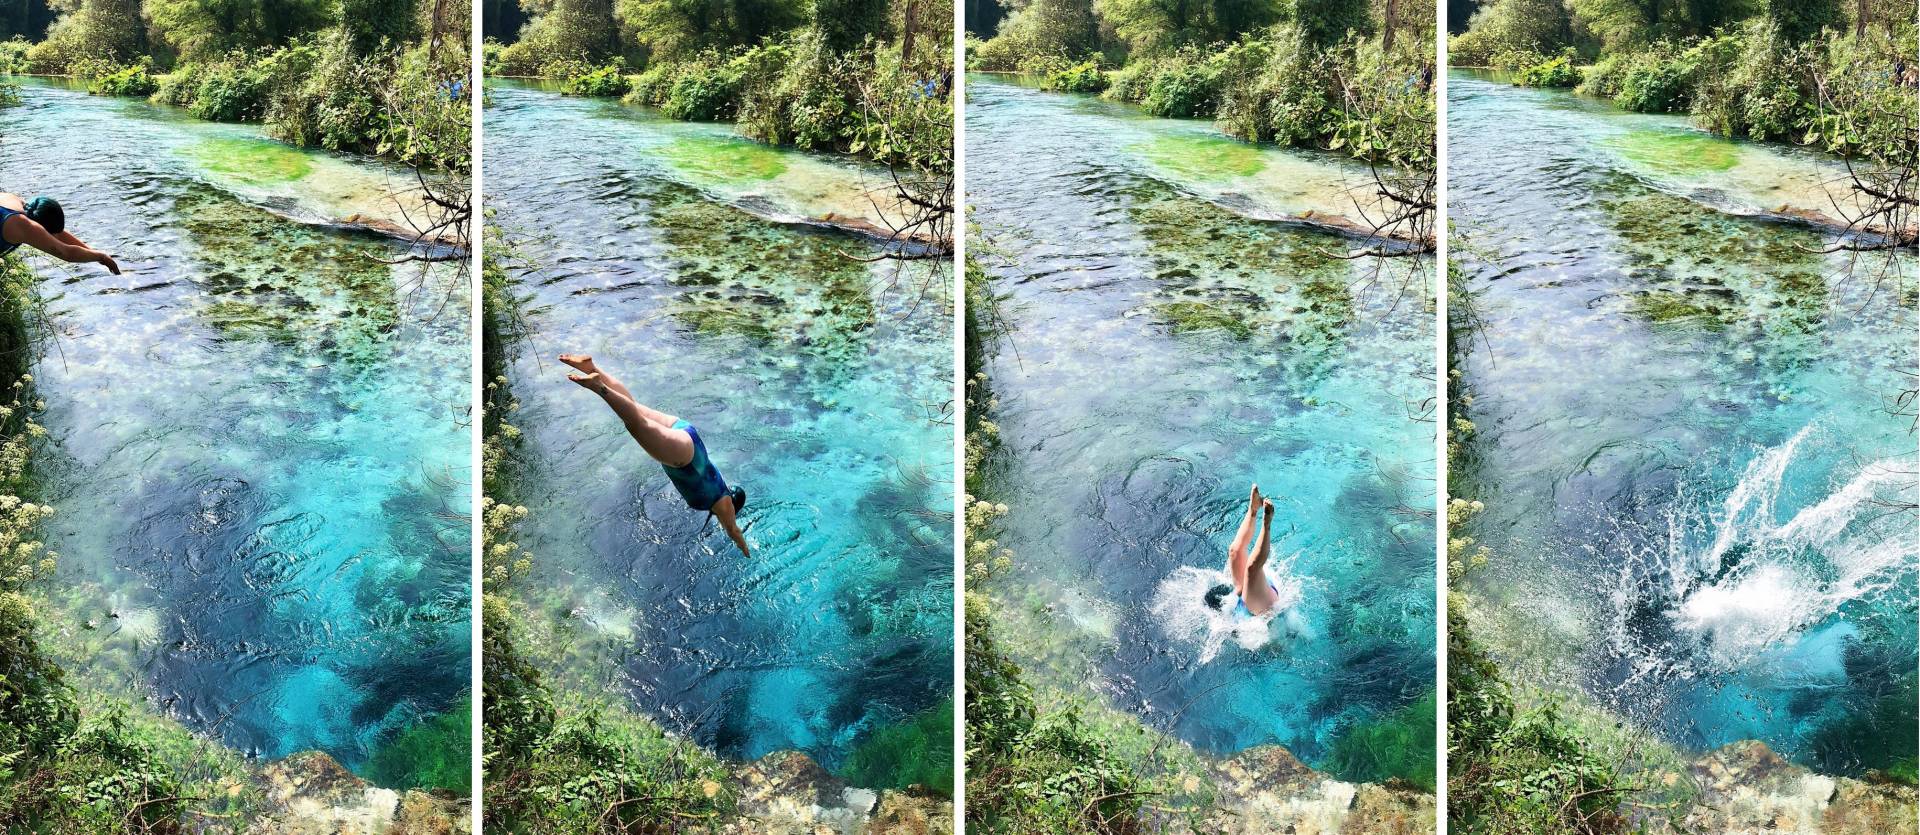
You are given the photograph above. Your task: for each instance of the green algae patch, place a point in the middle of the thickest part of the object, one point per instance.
(1678, 153)
(918, 751)
(1203, 157)
(1399, 744)
(725, 160)
(434, 754)
(1197, 317)
(255, 161)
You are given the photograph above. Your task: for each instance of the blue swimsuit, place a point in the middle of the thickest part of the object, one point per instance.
(7, 214)
(1240, 606)
(699, 482)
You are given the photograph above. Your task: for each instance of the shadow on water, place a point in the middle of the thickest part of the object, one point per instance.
(1163, 352)
(259, 450)
(1687, 443)
(819, 382)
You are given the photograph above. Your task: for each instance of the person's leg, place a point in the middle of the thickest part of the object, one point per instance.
(669, 446)
(584, 364)
(1258, 592)
(1237, 552)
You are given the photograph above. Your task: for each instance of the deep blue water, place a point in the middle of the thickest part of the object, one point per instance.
(820, 383)
(259, 438)
(1689, 441)
(1163, 350)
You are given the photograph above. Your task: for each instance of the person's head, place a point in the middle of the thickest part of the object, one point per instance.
(739, 496)
(46, 211)
(1217, 596)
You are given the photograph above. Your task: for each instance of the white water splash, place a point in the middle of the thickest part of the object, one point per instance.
(1789, 575)
(1180, 604)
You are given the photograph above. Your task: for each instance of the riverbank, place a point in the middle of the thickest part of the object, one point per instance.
(405, 103)
(882, 102)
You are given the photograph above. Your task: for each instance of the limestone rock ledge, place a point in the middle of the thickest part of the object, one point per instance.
(787, 793)
(311, 794)
(1747, 788)
(1267, 790)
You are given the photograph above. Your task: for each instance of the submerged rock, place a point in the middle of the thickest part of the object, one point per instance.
(787, 793)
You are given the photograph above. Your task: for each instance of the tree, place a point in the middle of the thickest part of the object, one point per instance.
(845, 24)
(1148, 25)
(104, 30)
(1327, 22)
(569, 30)
(669, 28)
(1800, 20)
(1522, 25)
(204, 29)
(1048, 27)
(370, 22)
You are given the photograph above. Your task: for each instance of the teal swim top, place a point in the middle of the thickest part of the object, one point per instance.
(699, 482)
(7, 214)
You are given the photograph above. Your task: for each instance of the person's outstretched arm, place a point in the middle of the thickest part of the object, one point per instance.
(724, 510)
(66, 247)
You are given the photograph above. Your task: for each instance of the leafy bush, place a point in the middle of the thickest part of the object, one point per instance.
(122, 81)
(1553, 72)
(708, 90)
(13, 56)
(605, 82)
(1514, 769)
(1084, 77)
(1185, 85)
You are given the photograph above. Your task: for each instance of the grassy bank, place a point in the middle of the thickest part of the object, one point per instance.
(73, 762)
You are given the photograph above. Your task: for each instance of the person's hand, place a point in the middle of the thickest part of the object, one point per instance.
(108, 262)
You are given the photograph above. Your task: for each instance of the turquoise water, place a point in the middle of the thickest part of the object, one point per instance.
(1164, 349)
(820, 383)
(1689, 438)
(259, 435)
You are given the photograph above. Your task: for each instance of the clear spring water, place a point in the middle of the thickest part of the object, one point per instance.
(259, 434)
(1687, 440)
(818, 382)
(1161, 353)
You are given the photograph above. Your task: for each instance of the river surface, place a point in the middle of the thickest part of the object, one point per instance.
(1689, 440)
(818, 381)
(259, 434)
(1162, 350)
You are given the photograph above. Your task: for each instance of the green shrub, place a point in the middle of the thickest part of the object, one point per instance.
(1084, 77)
(1184, 86)
(706, 91)
(1553, 72)
(13, 55)
(606, 82)
(123, 81)
(1517, 770)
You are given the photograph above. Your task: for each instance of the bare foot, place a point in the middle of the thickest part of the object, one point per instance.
(580, 362)
(1268, 507)
(1253, 501)
(591, 382)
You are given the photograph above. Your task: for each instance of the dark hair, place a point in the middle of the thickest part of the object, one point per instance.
(1217, 595)
(46, 211)
(739, 495)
